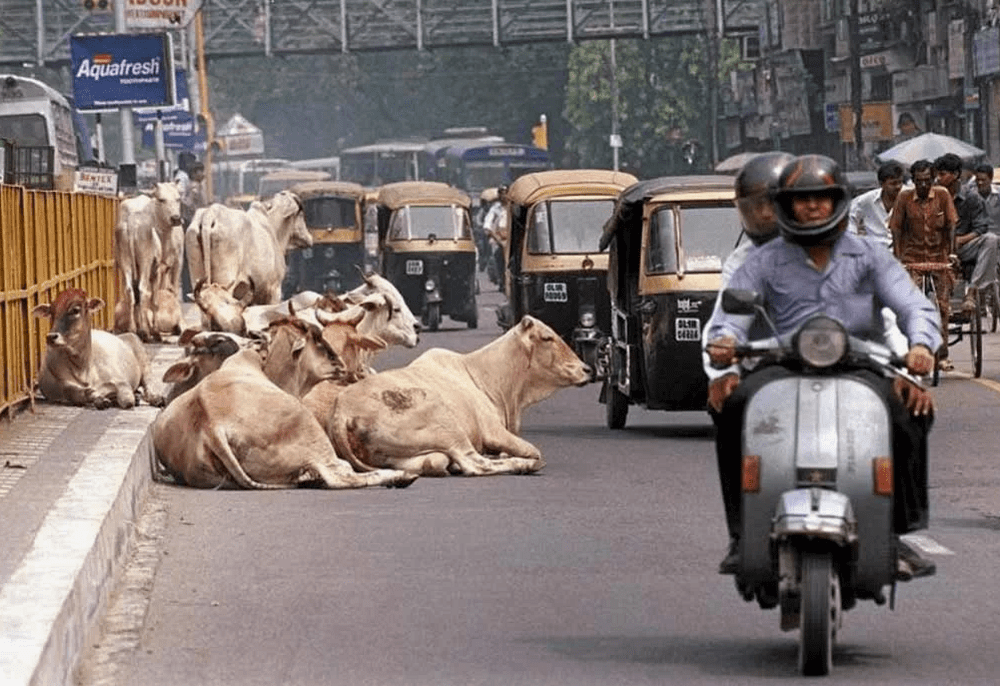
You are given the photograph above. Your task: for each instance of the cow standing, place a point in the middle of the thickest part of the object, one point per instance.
(228, 246)
(85, 366)
(236, 427)
(148, 246)
(443, 411)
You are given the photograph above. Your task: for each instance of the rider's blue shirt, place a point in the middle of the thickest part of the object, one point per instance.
(859, 279)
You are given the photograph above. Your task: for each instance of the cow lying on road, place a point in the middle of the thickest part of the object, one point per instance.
(442, 412)
(238, 428)
(85, 366)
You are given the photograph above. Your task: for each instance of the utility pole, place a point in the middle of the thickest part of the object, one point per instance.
(125, 113)
(854, 40)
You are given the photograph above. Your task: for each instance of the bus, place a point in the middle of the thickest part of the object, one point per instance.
(330, 165)
(237, 181)
(36, 121)
(383, 162)
(474, 165)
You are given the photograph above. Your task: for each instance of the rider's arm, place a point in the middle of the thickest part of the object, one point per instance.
(729, 267)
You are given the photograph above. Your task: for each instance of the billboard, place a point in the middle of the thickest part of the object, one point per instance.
(111, 71)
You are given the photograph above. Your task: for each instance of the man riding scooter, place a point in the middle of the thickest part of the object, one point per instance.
(817, 268)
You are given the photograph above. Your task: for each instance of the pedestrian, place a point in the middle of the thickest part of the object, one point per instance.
(870, 211)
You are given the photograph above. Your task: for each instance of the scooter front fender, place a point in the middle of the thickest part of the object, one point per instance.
(816, 512)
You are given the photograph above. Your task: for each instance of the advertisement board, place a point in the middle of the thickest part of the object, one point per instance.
(111, 71)
(160, 14)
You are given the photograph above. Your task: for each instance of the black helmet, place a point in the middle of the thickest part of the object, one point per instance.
(811, 175)
(756, 180)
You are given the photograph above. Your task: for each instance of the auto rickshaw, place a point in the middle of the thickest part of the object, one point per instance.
(426, 249)
(334, 213)
(668, 239)
(553, 268)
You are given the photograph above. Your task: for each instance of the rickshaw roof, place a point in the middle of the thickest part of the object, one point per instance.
(489, 194)
(401, 193)
(628, 208)
(531, 188)
(312, 189)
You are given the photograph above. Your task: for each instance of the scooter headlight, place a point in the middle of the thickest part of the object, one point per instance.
(587, 320)
(821, 342)
(429, 285)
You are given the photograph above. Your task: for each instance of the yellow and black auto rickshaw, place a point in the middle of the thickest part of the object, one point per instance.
(426, 249)
(668, 239)
(334, 212)
(554, 270)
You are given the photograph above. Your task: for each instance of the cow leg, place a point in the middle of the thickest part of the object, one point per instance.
(498, 440)
(473, 464)
(337, 479)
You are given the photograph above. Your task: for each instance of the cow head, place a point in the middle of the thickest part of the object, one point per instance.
(167, 201)
(549, 356)
(223, 307)
(205, 351)
(69, 320)
(352, 347)
(298, 357)
(289, 221)
(395, 323)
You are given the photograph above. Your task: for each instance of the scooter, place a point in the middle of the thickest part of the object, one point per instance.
(817, 484)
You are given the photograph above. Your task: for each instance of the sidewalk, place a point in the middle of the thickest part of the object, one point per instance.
(72, 481)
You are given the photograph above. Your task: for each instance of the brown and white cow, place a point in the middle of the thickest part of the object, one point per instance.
(204, 352)
(237, 428)
(444, 411)
(226, 246)
(86, 366)
(148, 247)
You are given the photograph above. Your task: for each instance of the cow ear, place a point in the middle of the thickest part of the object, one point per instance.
(526, 323)
(187, 335)
(372, 343)
(243, 292)
(94, 304)
(42, 310)
(179, 371)
(298, 346)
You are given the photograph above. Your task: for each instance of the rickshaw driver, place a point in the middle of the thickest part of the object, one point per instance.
(753, 186)
(819, 268)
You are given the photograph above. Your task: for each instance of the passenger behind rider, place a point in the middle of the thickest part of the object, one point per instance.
(753, 187)
(974, 242)
(818, 268)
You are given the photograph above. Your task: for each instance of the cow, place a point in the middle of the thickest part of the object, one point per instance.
(228, 246)
(229, 310)
(86, 366)
(205, 351)
(237, 428)
(442, 412)
(148, 247)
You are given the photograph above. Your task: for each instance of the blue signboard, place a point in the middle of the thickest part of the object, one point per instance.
(178, 134)
(171, 112)
(122, 70)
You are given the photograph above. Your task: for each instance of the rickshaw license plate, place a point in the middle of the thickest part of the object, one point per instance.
(687, 329)
(556, 293)
(415, 267)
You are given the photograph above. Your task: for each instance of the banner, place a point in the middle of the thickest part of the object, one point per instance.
(171, 112)
(178, 134)
(122, 70)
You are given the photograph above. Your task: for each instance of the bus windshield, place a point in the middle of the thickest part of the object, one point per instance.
(24, 129)
(568, 226)
(420, 223)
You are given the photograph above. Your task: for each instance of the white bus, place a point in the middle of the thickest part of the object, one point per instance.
(37, 121)
(330, 165)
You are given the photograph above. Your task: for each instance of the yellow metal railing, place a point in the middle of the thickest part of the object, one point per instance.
(49, 241)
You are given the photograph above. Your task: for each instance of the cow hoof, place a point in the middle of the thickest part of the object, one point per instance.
(101, 403)
(402, 481)
(156, 400)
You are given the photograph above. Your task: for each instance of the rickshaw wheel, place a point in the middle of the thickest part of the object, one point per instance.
(473, 320)
(434, 316)
(615, 406)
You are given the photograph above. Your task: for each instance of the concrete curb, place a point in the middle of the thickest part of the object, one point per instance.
(55, 599)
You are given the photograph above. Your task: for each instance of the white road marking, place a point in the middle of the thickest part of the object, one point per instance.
(927, 544)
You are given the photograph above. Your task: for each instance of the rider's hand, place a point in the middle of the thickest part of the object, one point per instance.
(918, 401)
(920, 360)
(722, 351)
(720, 389)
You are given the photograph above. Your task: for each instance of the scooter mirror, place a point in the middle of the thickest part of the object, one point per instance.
(738, 301)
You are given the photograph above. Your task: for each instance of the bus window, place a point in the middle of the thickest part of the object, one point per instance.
(24, 129)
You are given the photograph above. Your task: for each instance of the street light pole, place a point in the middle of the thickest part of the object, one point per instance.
(127, 129)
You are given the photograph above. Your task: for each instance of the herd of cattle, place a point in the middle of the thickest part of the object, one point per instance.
(273, 394)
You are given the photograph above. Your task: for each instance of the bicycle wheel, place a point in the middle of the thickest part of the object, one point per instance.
(976, 337)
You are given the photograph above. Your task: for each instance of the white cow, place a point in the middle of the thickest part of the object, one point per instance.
(228, 246)
(148, 247)
(445, 411)
(237, 428)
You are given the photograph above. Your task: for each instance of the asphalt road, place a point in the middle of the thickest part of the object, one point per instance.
(598, 570)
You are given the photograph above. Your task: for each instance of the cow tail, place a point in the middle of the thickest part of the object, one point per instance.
(205, 238)
(221, 449)
(341, 436)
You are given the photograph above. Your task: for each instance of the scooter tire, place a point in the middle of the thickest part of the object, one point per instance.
(616, 407)
(819, 613)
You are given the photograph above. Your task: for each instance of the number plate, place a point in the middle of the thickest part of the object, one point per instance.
(687, 329)
(415, 267)
(556, 293)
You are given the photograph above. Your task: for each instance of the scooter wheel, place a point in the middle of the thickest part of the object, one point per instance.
(819, 613)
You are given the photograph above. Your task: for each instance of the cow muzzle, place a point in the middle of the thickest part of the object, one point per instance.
(175, 220)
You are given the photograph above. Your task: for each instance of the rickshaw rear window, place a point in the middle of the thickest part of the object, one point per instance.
(708, 235)
(419, 223)
(568, 226)
(329, 213)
